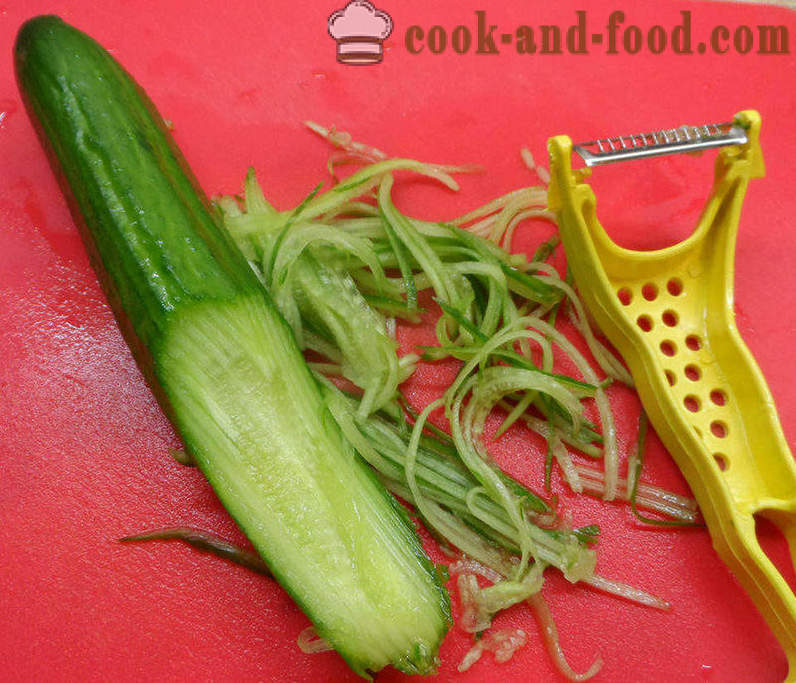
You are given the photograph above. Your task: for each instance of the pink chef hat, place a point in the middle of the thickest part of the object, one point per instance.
(359, 29)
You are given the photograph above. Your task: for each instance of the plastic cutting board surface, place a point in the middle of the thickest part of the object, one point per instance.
(83, 446)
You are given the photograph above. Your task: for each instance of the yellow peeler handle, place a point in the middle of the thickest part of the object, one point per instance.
(670, 314)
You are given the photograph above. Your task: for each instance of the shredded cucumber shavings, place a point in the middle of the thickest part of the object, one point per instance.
(635, 463)
(206, 542)
(346, 265)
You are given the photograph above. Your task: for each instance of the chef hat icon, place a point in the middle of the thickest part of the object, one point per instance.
(359, 29)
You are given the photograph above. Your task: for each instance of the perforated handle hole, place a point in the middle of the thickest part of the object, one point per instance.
(693, 373)
(670, 318)
(718, 429)
(693, 342)
(692, 403)
(625, 296)
(644, 322)
(718, 397)
(668, 348)
(675, 286)
(721, 461)
(670, 377)
(649, 291)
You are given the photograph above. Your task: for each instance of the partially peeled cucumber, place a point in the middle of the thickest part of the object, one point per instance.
(224, 364)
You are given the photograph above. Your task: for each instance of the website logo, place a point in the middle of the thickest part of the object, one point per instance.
(359, 29)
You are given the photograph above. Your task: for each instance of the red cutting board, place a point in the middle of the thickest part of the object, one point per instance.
(83, 446)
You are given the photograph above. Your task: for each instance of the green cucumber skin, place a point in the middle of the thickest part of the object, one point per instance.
(163, 261)
(91, 114)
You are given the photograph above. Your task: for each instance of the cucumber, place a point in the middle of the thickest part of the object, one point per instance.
(224, 364)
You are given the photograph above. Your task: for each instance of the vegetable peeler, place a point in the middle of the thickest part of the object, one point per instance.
(670, 314)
